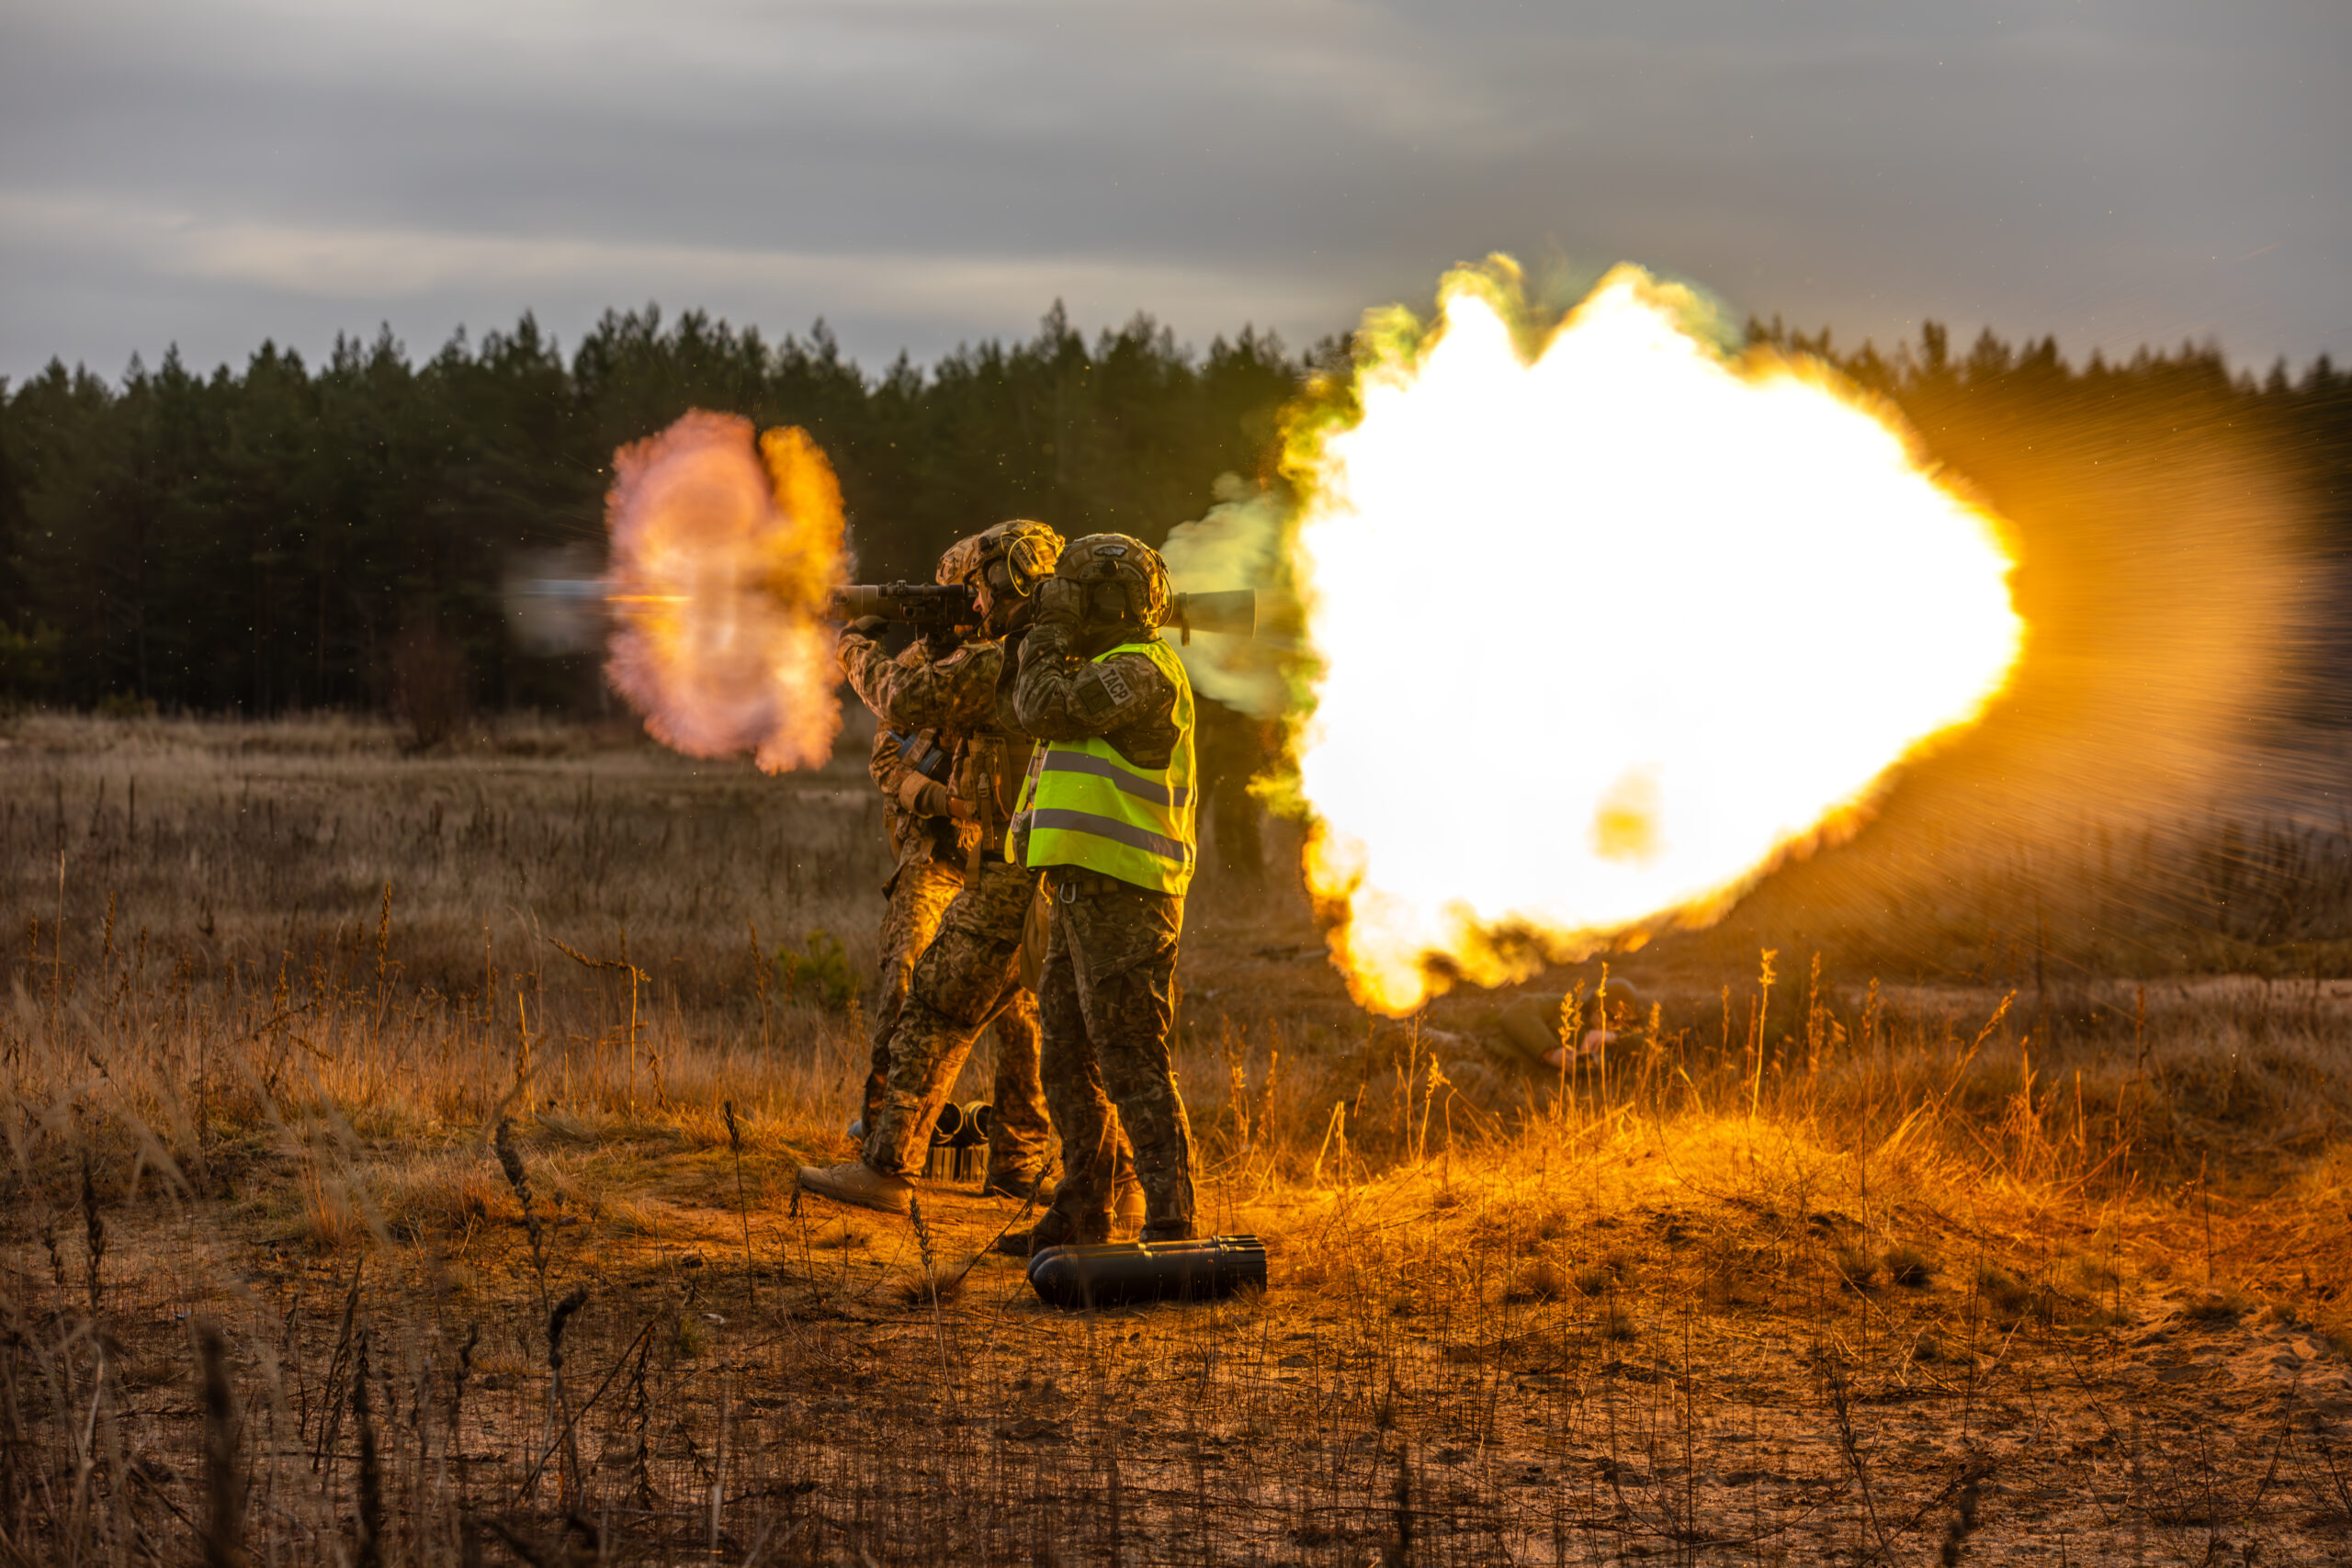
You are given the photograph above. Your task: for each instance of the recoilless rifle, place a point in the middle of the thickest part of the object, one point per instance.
(1233, 611)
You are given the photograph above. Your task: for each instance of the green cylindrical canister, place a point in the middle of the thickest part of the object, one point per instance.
(1120, 1273)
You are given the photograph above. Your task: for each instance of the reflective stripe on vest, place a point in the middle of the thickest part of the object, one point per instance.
(1086, 805)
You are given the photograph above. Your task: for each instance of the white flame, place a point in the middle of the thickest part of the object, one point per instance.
(1603, 634)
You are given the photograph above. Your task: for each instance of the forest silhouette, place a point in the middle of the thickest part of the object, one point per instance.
(284, 538)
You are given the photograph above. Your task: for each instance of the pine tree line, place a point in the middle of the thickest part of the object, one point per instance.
(283, 536)
(289, 536)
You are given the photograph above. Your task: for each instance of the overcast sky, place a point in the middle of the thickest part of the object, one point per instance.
(924, 172)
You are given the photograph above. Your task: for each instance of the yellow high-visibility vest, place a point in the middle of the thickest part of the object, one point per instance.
(1086, 805)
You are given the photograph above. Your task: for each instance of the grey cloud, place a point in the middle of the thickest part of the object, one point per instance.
(922, 173)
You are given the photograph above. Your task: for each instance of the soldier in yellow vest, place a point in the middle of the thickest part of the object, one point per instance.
(1107, 815)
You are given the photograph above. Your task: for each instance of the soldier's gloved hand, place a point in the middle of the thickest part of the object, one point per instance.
(1060, 601)
(869, 626)
(925, 798)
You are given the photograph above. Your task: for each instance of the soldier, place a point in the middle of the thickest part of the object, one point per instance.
(1107, 815)
(931, 833)
(971, 969)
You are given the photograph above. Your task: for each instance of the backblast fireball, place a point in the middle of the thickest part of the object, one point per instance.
(1681, 610)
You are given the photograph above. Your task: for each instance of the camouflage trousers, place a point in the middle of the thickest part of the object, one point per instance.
(968, 974)
(1108, 1004)
(918, 896)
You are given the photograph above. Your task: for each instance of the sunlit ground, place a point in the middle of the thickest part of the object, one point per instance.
(1817, 1272)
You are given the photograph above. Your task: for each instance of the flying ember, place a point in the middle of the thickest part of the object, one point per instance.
(723, 556)
(1604, 630)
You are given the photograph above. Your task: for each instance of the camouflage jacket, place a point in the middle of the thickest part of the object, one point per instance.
(963, 701)
(915, 808)
(1062, 695)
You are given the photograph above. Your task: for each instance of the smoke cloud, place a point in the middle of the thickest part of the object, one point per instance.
(554, 601)
(1243, 542)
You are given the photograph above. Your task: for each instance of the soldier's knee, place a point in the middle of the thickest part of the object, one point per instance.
(953, 996)
(1137, 1069)
(920, 1029)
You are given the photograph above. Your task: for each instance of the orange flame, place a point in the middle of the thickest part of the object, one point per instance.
(722, 557)
(1605, 629)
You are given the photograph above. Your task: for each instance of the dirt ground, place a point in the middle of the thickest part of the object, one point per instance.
(1614, 1357)
(1821, 1273)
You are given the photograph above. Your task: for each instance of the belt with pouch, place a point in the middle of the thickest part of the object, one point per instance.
(948, 855)
(1068, 885)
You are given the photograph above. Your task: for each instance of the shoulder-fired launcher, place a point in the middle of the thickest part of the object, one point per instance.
(1233, 611)
(915, 603)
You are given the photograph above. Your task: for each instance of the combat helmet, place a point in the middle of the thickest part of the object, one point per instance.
(1127, 582)
(959, 560)
(1012, 558)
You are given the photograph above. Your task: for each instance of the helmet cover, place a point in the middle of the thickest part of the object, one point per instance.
(1125, 579)
(1014, 556)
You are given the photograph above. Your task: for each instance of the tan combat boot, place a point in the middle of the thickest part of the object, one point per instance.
(859, 1183)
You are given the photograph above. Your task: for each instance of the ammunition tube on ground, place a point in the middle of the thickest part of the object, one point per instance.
(961, 1126)
(1122, 1273)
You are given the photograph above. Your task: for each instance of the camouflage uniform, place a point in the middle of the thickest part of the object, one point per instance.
(926, 872)
(968, 972)
(919, 894)
(1107, 1000)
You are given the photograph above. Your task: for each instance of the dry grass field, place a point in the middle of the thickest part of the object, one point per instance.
(399, 1170)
